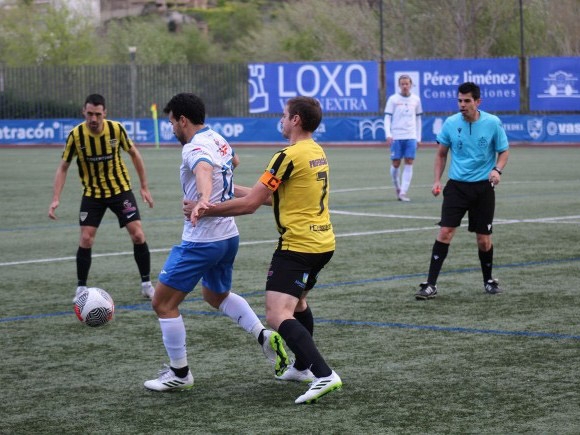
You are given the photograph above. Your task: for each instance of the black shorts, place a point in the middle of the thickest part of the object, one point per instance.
(477, 199)
(294, 273)
(123, 205)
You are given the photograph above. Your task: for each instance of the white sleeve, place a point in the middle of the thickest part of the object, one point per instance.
(419, 126)
(388, 117)
(387, 123)
(419, 119)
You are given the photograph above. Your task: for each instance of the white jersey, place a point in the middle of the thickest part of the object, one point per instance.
(403, 117)
(208, 146)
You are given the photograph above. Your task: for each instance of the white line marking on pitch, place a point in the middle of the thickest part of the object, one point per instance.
(563, 219)
(394, 216)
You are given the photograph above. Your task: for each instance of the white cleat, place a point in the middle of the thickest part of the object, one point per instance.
(168, 381)
(319, 387)
(294, 375)
(273, 348)
(147, 290)
(80, 289)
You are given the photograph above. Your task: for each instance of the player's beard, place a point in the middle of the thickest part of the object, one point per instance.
(285, 134)
(94, 127)
(179, 138)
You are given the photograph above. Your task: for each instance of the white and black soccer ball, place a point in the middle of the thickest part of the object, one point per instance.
(94, 307)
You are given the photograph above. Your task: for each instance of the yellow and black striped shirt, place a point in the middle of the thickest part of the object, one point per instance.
(101, 168)
(299, 178)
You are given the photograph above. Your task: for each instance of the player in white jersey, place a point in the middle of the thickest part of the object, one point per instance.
(209, 147)
(403, 133)
(207, 251)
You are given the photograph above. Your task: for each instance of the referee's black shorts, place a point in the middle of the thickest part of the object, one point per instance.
(476, 198)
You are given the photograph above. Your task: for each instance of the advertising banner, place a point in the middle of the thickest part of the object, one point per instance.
(436, 81)
(555, 84)
(256, 131)
(523, 128)
(339, 86)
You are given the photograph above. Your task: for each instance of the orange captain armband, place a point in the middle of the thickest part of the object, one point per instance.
(270, 181)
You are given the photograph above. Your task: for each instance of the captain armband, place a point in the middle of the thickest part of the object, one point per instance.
(270, 181)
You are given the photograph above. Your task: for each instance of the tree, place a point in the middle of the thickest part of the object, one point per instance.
(552, 28)
(413, 29)
(155, 44)
(315, 30)
(297, 30)
(57, 36)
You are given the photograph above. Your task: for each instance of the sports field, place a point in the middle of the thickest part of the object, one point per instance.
(466, 362)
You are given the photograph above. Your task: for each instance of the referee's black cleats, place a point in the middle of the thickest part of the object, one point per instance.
(426, 291)
(492, 287)
(429, 291)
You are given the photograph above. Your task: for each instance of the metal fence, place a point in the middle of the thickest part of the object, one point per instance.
(130, 90)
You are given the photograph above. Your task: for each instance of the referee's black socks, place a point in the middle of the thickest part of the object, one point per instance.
(486, 260)
(438, 256)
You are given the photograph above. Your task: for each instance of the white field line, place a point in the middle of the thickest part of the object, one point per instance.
(546, 220)
(394, 216)
(428, 186)
(557, 219)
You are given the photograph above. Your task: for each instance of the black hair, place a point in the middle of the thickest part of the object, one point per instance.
(95, 100)
(470, 88)
(188, 105)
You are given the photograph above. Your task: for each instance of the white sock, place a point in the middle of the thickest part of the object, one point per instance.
(238, 309)
(256, 329)
(395, 176)
(406, 178)
(173, 331)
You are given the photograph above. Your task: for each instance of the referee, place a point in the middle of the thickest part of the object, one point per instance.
(479, 152)
(96, 145)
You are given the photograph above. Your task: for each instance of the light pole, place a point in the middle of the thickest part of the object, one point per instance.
(522, 51)
(382, 45)
(382, 49)
(523, 70)
(133, 54)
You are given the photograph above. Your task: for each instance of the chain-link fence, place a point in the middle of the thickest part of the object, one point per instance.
(130, 90)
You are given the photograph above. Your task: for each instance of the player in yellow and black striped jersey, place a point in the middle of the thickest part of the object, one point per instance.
(101, 168)
(96, 145)
(296, 183)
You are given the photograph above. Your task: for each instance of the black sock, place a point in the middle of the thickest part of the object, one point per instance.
(486, 260)
(307, 320)
(301, 343)
(83, 265)
(143, 260)
(438, 255)
(182, 372)
(261, 337)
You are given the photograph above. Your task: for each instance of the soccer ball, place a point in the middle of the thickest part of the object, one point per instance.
(94, 307)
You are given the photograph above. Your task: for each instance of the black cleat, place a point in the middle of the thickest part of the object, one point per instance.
(426, 291)
(492, 287)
